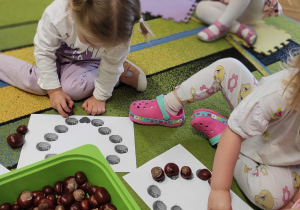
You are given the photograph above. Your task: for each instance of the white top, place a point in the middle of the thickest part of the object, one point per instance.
(271, 130)
(56, 32)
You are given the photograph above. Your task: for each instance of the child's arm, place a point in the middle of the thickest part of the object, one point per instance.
(224, 162)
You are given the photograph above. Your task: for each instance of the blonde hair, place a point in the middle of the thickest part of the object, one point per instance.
(110, 21)
(293, 85)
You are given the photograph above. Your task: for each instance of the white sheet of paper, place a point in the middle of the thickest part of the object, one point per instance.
(3, 170)
(188, 194)
(78, 135)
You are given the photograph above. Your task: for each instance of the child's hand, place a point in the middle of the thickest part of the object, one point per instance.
(93, 106)
(219, 199)
(60, 101)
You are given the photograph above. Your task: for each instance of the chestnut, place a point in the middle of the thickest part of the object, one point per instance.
(84, 204)
(186, 172)
(172, 170)
(15, 206)
(108, 206)
(15, 140)
(80, 177)
(158, 174)
(92, 190)
(52, 197)
(47, 190)
(59, 207)
(93, 202)
(86, 186)
(46, 203)
(22, 129)
(37, 198)
(25, 199)
(78, 194)
(102, 196)
(58, 187)
(66, 199)
(37, 192)
(75, 206)
(70, 184)
(203, 174)
(5, 206)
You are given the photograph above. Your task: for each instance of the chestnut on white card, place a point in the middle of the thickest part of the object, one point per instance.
(186, 194)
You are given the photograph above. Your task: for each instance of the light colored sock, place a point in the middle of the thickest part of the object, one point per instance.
(171, 103)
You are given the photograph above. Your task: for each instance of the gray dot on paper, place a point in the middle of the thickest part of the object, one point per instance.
(85, 120)
(159, 205)
(176, 207)
(104, 130)
(71, 121)
(43, 146)
(121, 149)
(154, 191)
(115, 139)
(50, 136)
(97, 122)
(113, 159)
(61, 129)
(49, 155)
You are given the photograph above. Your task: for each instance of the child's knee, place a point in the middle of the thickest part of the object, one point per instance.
(78, 90)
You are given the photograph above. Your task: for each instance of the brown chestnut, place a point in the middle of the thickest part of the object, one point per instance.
(80, 177)
(92, 190)
(58, 187)
(5, 206)
(108, 206)
(172, 170)
(102, 196)
(93, 202)
(86, 186)
(37, 198)
(203, 174)
(70, 184)
(75, 206)
(158, 174)
(22, 129)
(47, 190)
(16, 206)
(46, 203)
(59, 207)
(15, 140)
(84, 204)
(66, 199)
(25, 199)
(186, 172)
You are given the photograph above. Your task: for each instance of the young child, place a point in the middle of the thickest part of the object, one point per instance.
(80, 51)
(260, 146)
(234, 16)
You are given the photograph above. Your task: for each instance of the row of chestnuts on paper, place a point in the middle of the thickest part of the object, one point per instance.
(16, 140)
(73, 193)
(172, 171)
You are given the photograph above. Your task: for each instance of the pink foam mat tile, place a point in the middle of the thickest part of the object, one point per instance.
(178, 10)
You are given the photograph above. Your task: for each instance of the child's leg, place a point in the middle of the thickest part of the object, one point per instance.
(77, 79)
(268, 187)
(20, 74)
(227, 75)
(233, 18)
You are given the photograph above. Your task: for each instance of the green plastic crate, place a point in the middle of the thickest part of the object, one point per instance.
(87, 158)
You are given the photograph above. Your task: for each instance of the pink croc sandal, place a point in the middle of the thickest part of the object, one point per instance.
(223, 29)
(210, 123)
(153, 112)
(251, 32)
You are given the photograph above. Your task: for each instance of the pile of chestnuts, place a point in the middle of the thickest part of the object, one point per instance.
(16, 140)
(172, 171)
(73, 193)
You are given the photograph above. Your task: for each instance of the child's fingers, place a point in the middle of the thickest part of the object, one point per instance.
(62, 112)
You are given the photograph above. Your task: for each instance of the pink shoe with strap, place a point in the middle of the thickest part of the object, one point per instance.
(251, 33)
(210, 123)
(153, 112)
(223, 29)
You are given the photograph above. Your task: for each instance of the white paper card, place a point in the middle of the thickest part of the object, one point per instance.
(187, 194)
(42, 127)
(3, 170)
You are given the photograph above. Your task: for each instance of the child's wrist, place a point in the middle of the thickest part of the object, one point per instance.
(49, 92)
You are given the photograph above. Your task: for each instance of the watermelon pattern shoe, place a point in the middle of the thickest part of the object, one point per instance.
(153, 112)
(210, 123)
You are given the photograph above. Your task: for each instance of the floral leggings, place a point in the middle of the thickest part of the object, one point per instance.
(268, 187)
